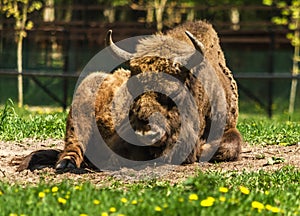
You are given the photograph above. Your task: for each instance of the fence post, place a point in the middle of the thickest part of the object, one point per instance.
(66, 68)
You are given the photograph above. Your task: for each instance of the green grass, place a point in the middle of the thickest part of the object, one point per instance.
(210, 193)
(264, 131)
(18, 124)
(266, 193)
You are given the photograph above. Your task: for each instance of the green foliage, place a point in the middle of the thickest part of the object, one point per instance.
(14, 126)
(290, 16)
(19, 9)
(114, 3)
(230, 2)
(208, 193)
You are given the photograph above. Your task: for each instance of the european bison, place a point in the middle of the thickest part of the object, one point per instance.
(162, 120)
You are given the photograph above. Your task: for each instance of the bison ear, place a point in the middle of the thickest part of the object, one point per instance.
(117, 52)
(197, 44)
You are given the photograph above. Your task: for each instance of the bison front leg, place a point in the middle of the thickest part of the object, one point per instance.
(79, 122)
(228, 149)
(70, 158)
(72, 155)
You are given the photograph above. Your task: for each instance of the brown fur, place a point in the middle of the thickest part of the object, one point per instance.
(160, 53)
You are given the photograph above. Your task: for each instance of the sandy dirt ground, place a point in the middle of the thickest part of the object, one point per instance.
(252, 159)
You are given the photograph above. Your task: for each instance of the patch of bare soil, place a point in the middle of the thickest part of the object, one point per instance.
(253, 158)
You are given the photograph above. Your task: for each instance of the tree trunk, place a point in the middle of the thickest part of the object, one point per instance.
(159, 11)
(295, 72)
(110, 14)
(149, 16)
(20, 70)
(235, 18)
(69, 12)
(49, 11)
(191, 15)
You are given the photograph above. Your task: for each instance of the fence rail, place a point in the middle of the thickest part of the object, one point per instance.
(269, 77)
(238, 76)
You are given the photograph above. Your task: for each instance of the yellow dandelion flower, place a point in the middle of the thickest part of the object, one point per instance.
(134, 202)
(193, 197)
(78, 187)
(223, 189)
(83, 214)
(104, 214)
(180, 199)
(124, 200)
(112, 209)
(42, 194)
(121, 215)
(96, 202)
(268, 207)
(273, 209)
(209, 201)
(158, 209)
(13, 214)
(222, 198)
(62, 200)
(244, 190)
(54, 189)
(267, 192)
(67, 196)
(257, 205)
(1, 193)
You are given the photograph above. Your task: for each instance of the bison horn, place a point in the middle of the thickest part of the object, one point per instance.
(197, 44)
(118, 52)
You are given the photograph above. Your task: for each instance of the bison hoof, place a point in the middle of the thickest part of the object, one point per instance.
(65, 164)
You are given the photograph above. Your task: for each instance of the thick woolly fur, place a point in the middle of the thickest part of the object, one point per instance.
(154, 114)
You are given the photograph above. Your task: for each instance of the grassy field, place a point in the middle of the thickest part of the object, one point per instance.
(207, 193)
(17, 124)
(210, 193)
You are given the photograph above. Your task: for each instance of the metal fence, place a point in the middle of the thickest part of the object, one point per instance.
(85, 29)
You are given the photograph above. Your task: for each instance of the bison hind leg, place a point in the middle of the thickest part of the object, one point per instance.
(38, 160)
(230, 147)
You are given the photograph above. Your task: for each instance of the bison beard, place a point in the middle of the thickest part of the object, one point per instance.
(158, 54)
